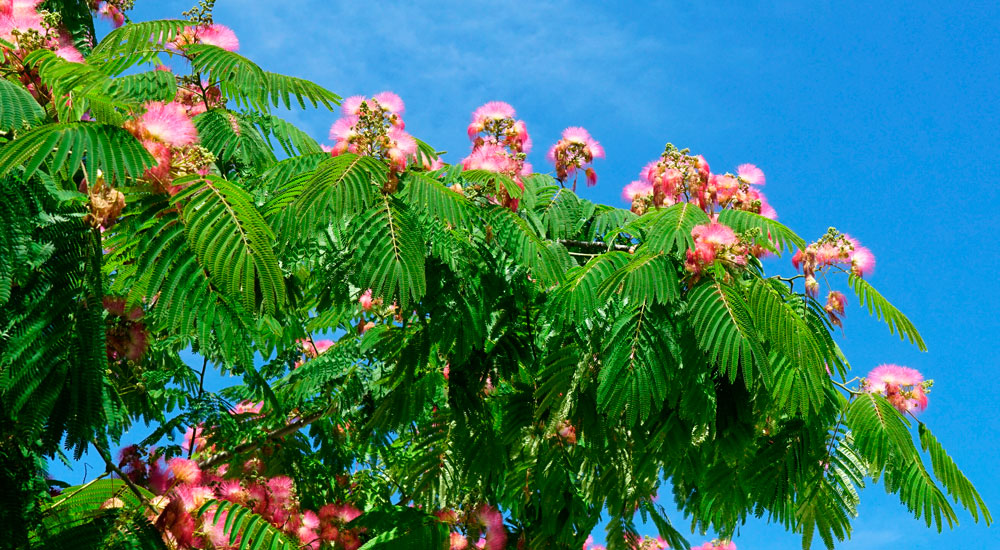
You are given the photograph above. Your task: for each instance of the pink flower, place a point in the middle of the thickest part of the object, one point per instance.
(281, 488)
(862, 259)
(165, 122)
(715, 234)
(366, 300)
(496, 534)
(750, 174)
(638, 188)
(835, 302)
(247, 407)
(576, 150)
(493, 110)
(457, 542)
(903, 387)
(390, 102)
(184, 470)
(111, 13)
(212, 35)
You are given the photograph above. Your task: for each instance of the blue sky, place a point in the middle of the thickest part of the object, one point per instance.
(879, 121)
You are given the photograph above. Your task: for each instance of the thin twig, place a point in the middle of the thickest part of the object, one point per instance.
(597, 246)
(287, 429)
(131, 485)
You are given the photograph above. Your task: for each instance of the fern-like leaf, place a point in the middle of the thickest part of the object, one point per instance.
(134, 43)
(424, 192)
(390, 252)
(230, 137)
(637, 367)
(232, 240)
(246, 529)
(645, 279)
(18, 109)
(958, 486)
(68, 146)
(725, 331)
(773, 235)
(669, 230)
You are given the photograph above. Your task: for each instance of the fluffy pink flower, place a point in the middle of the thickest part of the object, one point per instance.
(390, 102)
(862, 259)
(496, 534)
(111, 13)
(715, 234)
(901, 386)
(247, 407)
(638, 188)
(184, 470)
(490, 157)
(750, 174)
(212, 35)
(493, 110)
(167, 123)
(351, 106)
(344, 128)
(576, 150)
(216, 531)
(281, 488)
(457, 542)
(67, 50)
(232, 490)
(366, 300)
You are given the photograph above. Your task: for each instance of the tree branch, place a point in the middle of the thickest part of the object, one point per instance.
(278, 433)
(595, 246)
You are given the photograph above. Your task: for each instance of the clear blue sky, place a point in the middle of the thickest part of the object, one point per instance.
(881, 121)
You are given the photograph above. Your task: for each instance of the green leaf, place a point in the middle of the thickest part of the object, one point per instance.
(669, 230)
(958, 486)
(253, 530)
(230, 137)
(725, 331)
(879, 431)
(773, 235)
(18, 108)
(645, 279)
(280, 89)
(390, 252)
(68, 146)
(638, 364)
(423, 192)
(231, 239)
(134, 43)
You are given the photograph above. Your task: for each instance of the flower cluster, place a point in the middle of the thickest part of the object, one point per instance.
(182, 488)
(112, 11)
(500, 144)
(29, 28)
(904, 387)
(483, 524)
(644, 543)
(714, 241)
(168, 133)
(211, 34)
(127, 337)
(679, 177)
(716, 545)
(374, 127)
(576, 150)
(835, 303)
(832, 249)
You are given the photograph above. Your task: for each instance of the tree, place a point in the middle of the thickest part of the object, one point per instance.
(429, 353)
